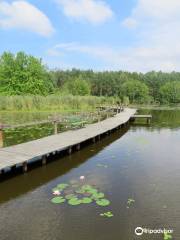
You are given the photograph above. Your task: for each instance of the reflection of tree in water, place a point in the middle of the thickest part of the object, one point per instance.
(163, 118)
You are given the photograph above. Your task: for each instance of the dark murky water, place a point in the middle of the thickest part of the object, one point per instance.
(143, 164)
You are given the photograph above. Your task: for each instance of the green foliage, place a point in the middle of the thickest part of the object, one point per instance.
(170, 92)
(78, 87)
(74, 201)
(58, 200)
(63, 103)
(23, 74)
(86, 200)
(110, 83)
(81, 194)
(130, 202)
(136, 91)
(103, 202)
(107, 214)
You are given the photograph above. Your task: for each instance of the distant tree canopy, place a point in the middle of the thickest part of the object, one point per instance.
(78, 87)
(135, 90)
(22, 74)
(170, 92)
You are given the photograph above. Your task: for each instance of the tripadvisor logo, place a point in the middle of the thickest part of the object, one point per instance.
(139, 231)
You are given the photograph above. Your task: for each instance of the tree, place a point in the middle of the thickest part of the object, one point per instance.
(136, 91)
(22, 74)
(170, 92)
(78, 87)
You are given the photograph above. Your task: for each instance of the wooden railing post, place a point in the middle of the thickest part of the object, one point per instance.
(55, 127)
(1, 138)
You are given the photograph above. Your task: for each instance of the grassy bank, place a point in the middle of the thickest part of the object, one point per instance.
(52, 103)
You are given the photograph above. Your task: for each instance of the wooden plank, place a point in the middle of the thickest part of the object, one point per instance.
(25, 152)
(142, 116)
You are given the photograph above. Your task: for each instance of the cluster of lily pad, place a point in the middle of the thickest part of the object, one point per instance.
(75, 195)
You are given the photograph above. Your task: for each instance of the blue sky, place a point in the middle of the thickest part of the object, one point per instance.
(132, 35)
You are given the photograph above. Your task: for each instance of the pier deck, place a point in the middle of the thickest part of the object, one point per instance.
(23, 153)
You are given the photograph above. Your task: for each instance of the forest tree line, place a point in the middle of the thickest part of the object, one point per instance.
(22, 74)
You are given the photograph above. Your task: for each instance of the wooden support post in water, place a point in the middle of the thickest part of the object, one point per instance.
(13, 168)
(25, 167)
(1, 138)
(78, 147)
(44, 160)
(94, 140)
(69, 151)
(99, 137)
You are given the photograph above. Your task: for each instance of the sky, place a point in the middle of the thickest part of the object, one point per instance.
(130, 35)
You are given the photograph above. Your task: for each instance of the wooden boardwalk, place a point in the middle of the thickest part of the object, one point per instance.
(147, 117)
(21, 154)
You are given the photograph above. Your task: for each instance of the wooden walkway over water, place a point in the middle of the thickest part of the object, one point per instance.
(22, 154)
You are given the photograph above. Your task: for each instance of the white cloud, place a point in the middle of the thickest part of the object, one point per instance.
(93, 11)
(23, 15)
(156, 29)
(130, 23)
(132, 59)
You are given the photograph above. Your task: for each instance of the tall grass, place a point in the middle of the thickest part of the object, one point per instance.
(52, 103)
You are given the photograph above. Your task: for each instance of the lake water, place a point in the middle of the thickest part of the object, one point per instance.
(140, 163)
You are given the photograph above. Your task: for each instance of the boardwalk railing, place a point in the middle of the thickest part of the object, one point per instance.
(77, 121)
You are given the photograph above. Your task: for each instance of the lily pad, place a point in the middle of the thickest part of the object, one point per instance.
(62, 186)
(86, 187)
(55, 189)
(80, 191)
(92, 191)
(97, 195)
(107, 214)
(86, 200)
(58, 200)
(103, 202)
(74, 201)
(70, 196)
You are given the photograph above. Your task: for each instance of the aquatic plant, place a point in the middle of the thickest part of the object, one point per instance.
(82, 177)
(62, 186)
(103, 202)
(130, 202)
(107, 214)
(74, 201)
(70, 196)
(56, 192)
(86, 200)
(58, 200)
(83, 194)
(97, 195)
